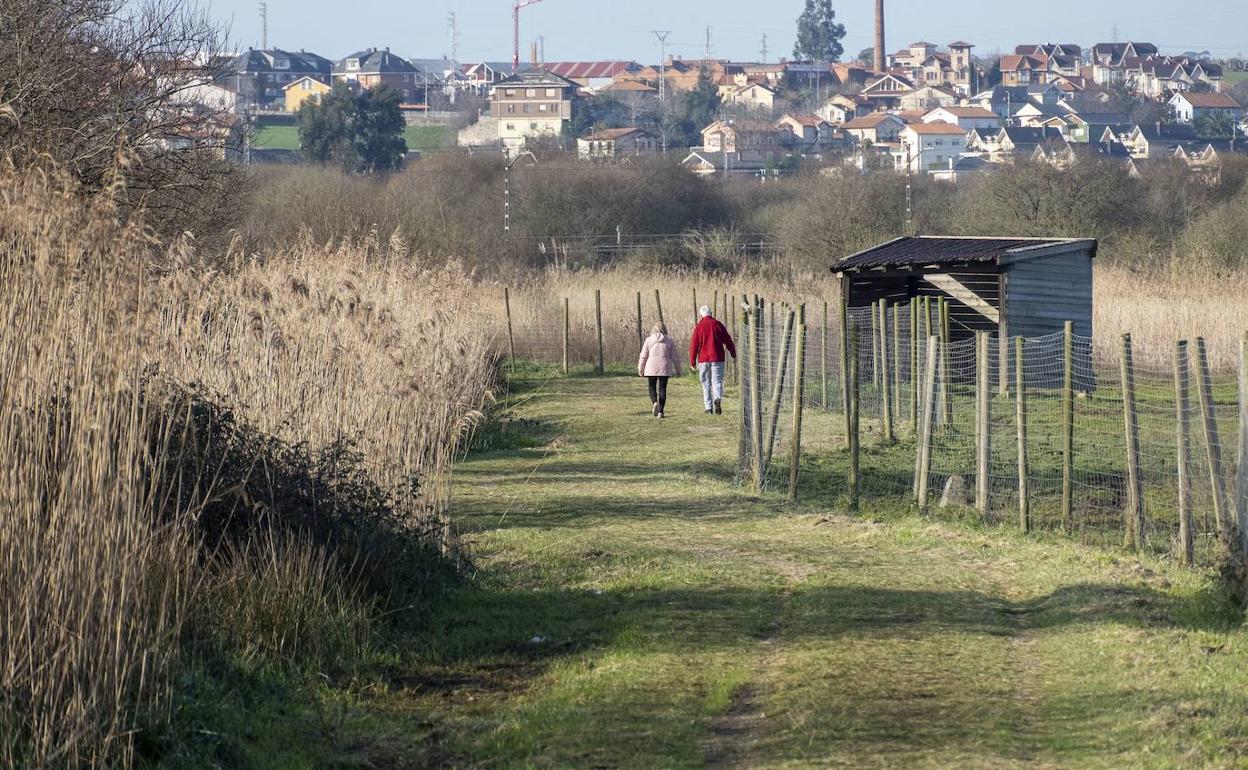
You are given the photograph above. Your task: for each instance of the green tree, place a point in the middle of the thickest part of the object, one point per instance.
(818, 33)
(1215, 125)
(696, 109)
(360, 132)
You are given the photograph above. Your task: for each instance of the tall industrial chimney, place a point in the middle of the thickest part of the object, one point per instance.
(879, 35)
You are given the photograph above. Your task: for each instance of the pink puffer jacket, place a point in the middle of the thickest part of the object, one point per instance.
(658, 357)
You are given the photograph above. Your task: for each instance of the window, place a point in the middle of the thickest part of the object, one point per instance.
(353, 64)
(511, 108)
(541, 107)
(530, 92)
(552, 92)
(511, 92)
(533, 126)
(511, 126)
(526, 107)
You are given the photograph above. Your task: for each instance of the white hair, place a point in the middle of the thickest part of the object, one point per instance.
(705, 310)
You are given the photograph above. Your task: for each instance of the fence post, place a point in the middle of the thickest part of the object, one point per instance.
(743, 388)
(886, 394)
(1241, 469)
(756, 398)
(799, 399)
(511, 339)
(658, 306)
(730, 310)
(983, 424)
(777, 387)
(850, 357)
(924, 465)
(1020, 398)
(875, 345)
(914, 365)
(1183, 452)
(695, 304)
(845, 359)
(567, 334)
(946, 401)
(897, 398)
(1213, 444)
(598, 322)
(1134, 535)
(640, 337)
(823, 358)
(1068, 425)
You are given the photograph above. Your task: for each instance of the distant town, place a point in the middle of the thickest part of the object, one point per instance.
(926, 108)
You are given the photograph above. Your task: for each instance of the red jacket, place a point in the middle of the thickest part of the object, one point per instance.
(707, 344)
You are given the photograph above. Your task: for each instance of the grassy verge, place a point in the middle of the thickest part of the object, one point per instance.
(286, 137)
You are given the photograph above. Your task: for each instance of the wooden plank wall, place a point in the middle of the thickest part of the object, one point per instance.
(1042, 294)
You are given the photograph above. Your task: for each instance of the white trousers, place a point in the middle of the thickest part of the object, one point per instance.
(711, 374)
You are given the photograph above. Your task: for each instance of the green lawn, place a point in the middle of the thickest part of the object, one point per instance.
(1233, 77)
(281, 137)
(630, 606)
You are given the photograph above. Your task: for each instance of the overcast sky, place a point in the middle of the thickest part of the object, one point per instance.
(621, 29)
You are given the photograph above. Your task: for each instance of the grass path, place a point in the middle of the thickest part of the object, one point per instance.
(633, 608)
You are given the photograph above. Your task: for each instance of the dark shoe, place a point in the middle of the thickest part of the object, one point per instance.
(654, 409)
(719, 406)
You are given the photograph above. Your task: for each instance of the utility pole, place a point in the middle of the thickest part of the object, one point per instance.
(765, 49)
(264, 26)
(706, 50)
(454, 79)
(662, 34)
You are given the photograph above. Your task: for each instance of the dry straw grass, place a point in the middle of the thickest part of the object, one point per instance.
(101, 551)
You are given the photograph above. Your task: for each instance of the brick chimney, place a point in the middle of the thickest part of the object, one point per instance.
(879, 35)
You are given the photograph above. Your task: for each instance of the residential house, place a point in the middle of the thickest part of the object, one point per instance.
(258, 76)
(927, 146)
(1192, 106)
(305, 89)
(1035, 113)
(614, 143)
(1157, 140)
(1001, 100)
(842, 108)
(874, 128)
(1085, 127)
(1111, 60)
(735, 136)
(480, 77)
(924, 64)
(886, 91)
(966, 118)
(592, 75)
(1049, 49)
(375, 67)
(755, 96)
(682, 75)
(851, 75)
(531, 104)
(750, 162)
(912, 56)
(1065, 154)
(806, 129)
(927, 97)
(962, 169)
(1009, 142)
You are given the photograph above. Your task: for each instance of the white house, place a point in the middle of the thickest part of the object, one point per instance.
(1190, 106)
(610, 143)
(965, 118)
(929, 146)
(874, 128)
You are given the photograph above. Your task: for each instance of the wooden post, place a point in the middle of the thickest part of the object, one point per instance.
(983, 423)
(886, 394)
(1241, 469)
(1134, 535)
(511, 339)
(946, 400)
(777, 386)
(730, 309)
(1213, 445)
(695, 304)
(658, 306)
(846, 356)
(756, 397)
(1183, 452)
(914, 365)
(897, 360)
(875, 345)
(1020, 400)
(924, 465)
(1068, 426)
(850, 356)
(742, 331)
(823, 359)
(567, 334)
(799, 399)
(641, 338)
(602, 367)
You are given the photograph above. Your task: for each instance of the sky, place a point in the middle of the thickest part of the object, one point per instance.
(577, 30)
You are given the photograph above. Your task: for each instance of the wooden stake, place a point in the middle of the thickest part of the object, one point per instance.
(567, 334)
(1068, 426)
(875, 345)
(1213, 446)
(1183, 452)
(823, 359)
(1020, 399)
(1241, 469)
(756, 390)
(897, 361)
(983, 423)
(641, 339)
(777, 387)
(846, 356)
(743, 388)
(851, 415)
(695, 304)
(946, 402)
(799, 399)
(658, 306)
(914, 365)
(511, 339)
(886, 395)
(924, 466)
(598, 322)
(1134, 536)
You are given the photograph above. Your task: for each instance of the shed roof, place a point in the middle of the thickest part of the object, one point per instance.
(944, 250)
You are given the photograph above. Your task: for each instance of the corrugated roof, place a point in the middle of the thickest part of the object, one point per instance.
(938, 250)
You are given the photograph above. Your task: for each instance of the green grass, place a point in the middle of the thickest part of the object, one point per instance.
(632, 607)
(1232, 77)
(286, 137)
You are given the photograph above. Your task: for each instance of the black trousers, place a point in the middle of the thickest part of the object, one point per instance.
(658, 391)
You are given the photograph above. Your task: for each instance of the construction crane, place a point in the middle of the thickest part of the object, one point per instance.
(515, 23)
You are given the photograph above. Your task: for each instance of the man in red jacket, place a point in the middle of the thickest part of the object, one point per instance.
(706, 352)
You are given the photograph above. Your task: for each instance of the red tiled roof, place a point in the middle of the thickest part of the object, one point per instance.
(869, 121)
(935, 128)
(1211, 100)
(589, 69)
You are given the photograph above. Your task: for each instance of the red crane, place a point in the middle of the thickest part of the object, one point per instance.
(515, 21)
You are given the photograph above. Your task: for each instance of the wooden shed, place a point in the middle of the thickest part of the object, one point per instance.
(1013, 286)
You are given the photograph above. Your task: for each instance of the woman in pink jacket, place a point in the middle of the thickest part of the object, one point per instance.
(658, 361)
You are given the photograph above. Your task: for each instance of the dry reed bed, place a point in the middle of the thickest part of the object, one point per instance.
(1156, 306)
(99, 573)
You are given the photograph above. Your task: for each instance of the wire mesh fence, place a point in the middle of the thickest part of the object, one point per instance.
(1054, 432)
